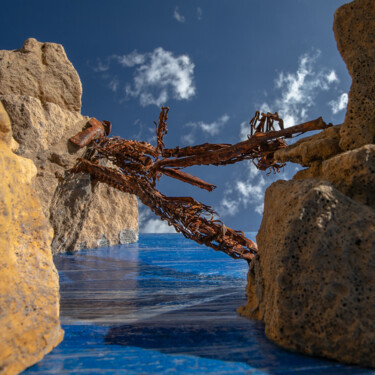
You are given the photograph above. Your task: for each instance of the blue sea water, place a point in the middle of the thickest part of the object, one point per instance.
(164, 305)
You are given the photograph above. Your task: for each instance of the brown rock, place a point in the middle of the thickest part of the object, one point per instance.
(82, 214)
(312, 282)
(87, 215)
(29, 289)
(354, 28)
(42, 132)
(315, 148)
(352, 173)
(43, 71)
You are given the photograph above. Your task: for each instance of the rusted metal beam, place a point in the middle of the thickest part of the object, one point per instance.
(138, 165)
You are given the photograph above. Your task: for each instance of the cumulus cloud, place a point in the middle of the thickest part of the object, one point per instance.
(149, 223)
(156, 226)
(244, 130)
(300, 89)
(158, 76)
(249, 191)
(178, 16)
(339, 104)
(131, 59)
(211, 128)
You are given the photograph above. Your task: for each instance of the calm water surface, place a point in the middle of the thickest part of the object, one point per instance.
(164, 305)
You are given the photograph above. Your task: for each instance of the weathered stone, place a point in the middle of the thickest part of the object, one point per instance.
(81, 213)
(315, 148)
(354, 27)
(43, 71)
(29, 289)
(42, 132)
(312, 282)
(87, 215)
(352, 173)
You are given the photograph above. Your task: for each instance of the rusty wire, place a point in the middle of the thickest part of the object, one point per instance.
(136, 166)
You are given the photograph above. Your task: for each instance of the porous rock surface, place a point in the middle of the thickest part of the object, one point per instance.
(29, 286)
(312, 282)
(354, 28)
(83, 214)
(43, 71)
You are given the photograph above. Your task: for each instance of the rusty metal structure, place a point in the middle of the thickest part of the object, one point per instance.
(135, 167)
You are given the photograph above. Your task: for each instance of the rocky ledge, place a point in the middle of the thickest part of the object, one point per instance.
(41, 92)
(313, 281)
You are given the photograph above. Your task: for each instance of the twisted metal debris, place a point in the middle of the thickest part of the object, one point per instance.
(136, 166)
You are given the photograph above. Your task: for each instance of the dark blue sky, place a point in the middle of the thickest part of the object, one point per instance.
(213, 62)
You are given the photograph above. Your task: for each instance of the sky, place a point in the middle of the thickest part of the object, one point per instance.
(212, 62)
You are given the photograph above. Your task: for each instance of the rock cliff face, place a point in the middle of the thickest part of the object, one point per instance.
(41, 92)
(313, 281)
(29, 288)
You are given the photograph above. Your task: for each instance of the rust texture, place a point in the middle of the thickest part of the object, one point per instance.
(135, 167)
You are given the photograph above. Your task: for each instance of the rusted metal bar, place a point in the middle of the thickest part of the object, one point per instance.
(225, 155)
(96, 129)
(186, 177)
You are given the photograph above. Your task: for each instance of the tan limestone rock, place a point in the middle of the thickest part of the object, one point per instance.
(43, 71)
(82, 214)
(312, 282)
(351, 172)
(89, 215)
(312, 149)
(354, 27)
(29, 289)
(42, 132)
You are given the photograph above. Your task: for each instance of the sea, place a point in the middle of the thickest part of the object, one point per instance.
(164, 305)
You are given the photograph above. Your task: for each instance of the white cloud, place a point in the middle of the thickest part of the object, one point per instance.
(332, 77)
(297, 94)
(159, 76)
(339, 104)
(178, 16)
(131, 59)
(101, 66)
(248, 192)
(188, 139)
(149, 223)
(212, 128)
(299, 89)
(229, 207)
(199, 13)
(156, 226)
(244, 130)
(113, 84)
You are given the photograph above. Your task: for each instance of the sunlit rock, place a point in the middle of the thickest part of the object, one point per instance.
(29, 288)
(81, 212)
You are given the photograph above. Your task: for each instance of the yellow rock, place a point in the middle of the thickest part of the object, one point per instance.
(29, 289)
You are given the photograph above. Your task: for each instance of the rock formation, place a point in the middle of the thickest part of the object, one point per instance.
(29, 288)
(41, 92)
(313, 281)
